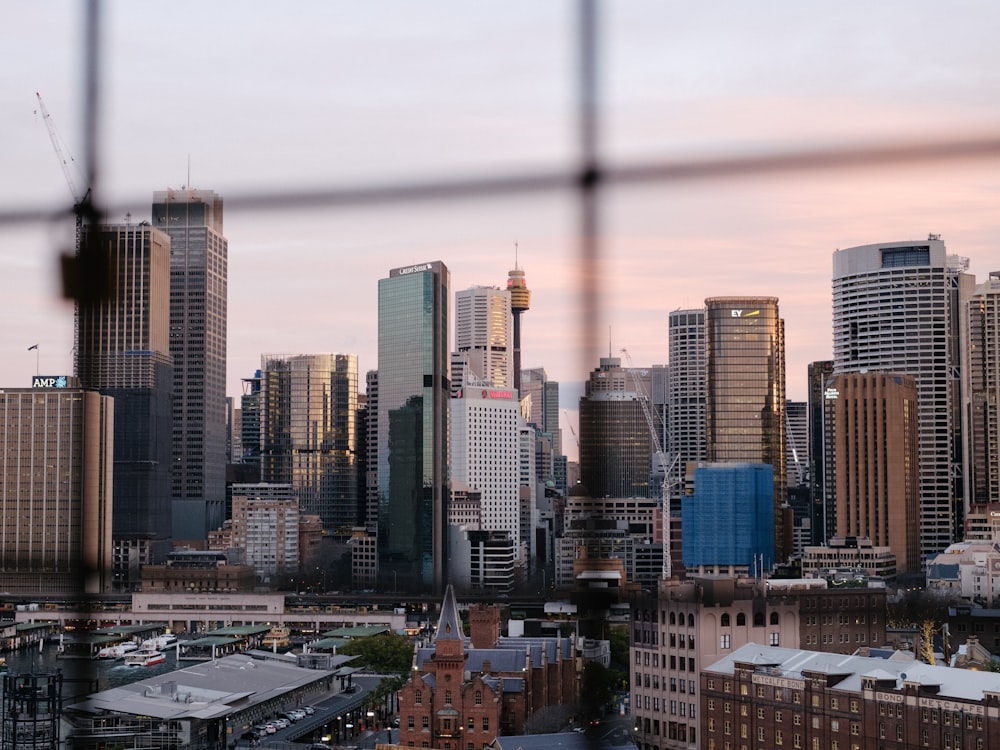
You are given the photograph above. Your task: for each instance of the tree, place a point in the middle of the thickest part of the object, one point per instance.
(387, 652)
(595, 691)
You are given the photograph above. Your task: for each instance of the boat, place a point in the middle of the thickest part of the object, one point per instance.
(117, 651)
(277, 637)
(145, 657)
(160, 642)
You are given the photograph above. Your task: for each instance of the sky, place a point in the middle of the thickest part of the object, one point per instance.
(254, 98)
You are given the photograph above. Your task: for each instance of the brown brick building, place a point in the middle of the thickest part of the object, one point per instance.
(764, 697)
(188, 570)
(464, 692)
(693, 623)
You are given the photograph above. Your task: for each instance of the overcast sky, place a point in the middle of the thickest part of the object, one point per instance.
(269, 97)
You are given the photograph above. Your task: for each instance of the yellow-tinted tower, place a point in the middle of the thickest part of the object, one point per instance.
(520, 300)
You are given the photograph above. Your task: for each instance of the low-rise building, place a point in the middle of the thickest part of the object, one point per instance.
(761, 696)
(196, 571)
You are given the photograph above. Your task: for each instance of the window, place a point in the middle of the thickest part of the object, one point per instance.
(471, 724)
(447, 697)
(725, 619)
(479, 697)
(418, 697)
(774, 618)
(741, 620)
(486, 723)
(409, 722)
(724, 641)
(774, 639)
(425, 723)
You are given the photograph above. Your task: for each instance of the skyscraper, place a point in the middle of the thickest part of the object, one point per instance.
(686, 396)
(198, 307)
(615, 444)
(484, 333)
(896, 308)
(875, 433)
(412, 423)
(308, 417)
(123, 351)
(55, 491)
(745, 419)
(983, 386)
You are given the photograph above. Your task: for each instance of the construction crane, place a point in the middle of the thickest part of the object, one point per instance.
(85, 274)
(661, 458)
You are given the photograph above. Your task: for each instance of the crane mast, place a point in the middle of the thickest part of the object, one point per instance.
(644, 402)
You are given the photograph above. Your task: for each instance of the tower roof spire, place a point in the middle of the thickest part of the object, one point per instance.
(450, 624)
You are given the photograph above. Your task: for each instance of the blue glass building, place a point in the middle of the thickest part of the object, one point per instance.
(729, 520)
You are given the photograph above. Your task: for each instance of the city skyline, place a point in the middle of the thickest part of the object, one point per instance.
(496, 96)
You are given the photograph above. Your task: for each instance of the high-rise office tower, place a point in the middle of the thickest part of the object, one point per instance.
(615, 444)
(485, 456)
(412, 423)
(822, 492)
(308, 417)
(483, 334)
(875, 438)
(520, 301)
(371, 452)
(897, 308)
(982, 440)
(745, 400)
(55, 490)
(198, 308)
(250, 421)
(686, 396)
(123, 351)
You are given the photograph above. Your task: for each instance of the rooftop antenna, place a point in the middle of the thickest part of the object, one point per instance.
(609, 342)
(189, 172)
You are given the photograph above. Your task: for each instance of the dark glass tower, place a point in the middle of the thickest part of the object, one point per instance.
(123, 351)
(412, 424)
(198, 307)
(745, 415)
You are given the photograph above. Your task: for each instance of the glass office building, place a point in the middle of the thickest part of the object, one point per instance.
(198, 312)
(123, 351)
(412, 424)
(308, 418)
(745, 415)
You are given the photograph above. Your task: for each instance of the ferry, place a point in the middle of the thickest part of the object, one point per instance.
(277, 637)
(160, 642)
(117, 651)
(144, 657)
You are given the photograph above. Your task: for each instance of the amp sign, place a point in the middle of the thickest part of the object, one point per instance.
(49, 381)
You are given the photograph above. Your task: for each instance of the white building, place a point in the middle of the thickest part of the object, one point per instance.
(968, 569)
(266, 526)
(897, 307)
(486, 452)
(484, 331)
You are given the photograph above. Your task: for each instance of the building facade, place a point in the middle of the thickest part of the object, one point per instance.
(308, 417)
(484, 335)
(412, 424)
(265, 525)
(877, 473)
(56, 458)
(769, 697)
(687, 395)
(745, 415)
(199, 272)
(897, 308)
(123, 351)
(728, 521)
(615, 444)
(982, 442)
